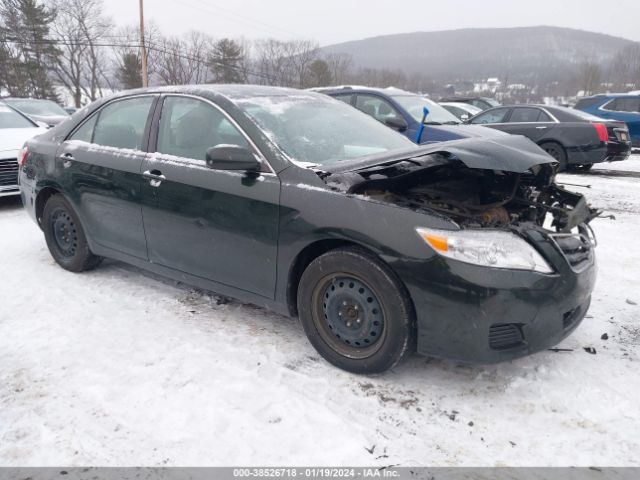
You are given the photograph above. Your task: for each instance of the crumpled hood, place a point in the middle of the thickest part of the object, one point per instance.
(510, 153)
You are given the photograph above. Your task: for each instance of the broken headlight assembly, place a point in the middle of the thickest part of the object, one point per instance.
(487, 248)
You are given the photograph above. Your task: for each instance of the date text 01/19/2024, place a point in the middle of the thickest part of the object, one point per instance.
(315, 473)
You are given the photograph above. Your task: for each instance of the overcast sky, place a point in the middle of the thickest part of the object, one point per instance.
(334, 21)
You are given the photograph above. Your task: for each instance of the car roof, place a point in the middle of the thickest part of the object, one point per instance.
(389, 91)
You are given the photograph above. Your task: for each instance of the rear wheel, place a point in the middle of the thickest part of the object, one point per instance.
(557, 152)
(355, 312)
(65, 236)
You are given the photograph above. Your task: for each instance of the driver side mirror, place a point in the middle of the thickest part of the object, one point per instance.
(232, 157)
(464, 117)
(42, 124)
(397, 123)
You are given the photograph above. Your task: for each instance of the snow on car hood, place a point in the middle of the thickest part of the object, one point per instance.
(510, 153)
(12, 139)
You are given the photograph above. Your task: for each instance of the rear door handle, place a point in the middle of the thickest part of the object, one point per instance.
(155, 177)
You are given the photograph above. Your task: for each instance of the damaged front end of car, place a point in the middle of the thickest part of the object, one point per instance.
(511, 263)
(480, 185)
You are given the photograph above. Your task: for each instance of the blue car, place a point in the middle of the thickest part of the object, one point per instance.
(403, 111)
(623, 107)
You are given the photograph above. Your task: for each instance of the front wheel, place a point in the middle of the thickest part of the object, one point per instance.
(65, 236)
(355, 312)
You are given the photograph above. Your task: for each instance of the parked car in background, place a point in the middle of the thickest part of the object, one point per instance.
(15, 129)
(403, 111)
(463, 111)
(576, 139)
(291, 200)
(45, 111)
(622, 107)
(482, 103)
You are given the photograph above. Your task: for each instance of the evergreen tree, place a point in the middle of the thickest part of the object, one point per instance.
(27, 52)
(130, 71)
(226, 61)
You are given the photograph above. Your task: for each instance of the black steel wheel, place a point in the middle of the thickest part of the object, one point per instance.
(65, 236)
(355, 311)
(557, 152)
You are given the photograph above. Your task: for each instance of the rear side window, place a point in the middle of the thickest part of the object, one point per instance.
(121, 124)
(189, 127)
(586, 103)
(525, 115)
(344, 97)
(492, 116)
(631, 104)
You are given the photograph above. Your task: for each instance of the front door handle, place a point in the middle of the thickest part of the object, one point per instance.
(67, 158)
(541, 128)
(155, 177)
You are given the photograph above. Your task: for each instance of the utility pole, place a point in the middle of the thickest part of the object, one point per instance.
(143, 50)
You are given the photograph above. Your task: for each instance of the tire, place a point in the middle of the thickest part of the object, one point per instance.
(355, 311)
(585, 167)
(558, 152)
(65, 236)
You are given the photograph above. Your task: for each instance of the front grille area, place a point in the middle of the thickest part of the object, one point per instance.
(576, 249)
(505, 336)
(8, 172)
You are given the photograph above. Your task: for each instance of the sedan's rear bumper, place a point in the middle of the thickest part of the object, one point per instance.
(483, 315)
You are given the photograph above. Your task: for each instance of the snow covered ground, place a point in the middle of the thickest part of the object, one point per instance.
(120, 367)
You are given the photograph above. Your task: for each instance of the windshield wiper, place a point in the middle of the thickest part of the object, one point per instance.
(451, 122)
(432, 123)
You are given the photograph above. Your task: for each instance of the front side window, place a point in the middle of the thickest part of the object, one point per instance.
(189, 127)
(376, 107)
(85, 132)
(121, 124)
(492, 116)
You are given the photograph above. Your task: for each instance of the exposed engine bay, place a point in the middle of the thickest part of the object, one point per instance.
(472, 197)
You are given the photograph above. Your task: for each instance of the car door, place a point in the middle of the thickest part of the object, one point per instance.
(101, 162)
(532, 122)
(218, 225)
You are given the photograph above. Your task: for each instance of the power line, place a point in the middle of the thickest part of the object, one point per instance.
(206, 7)
(150, 46)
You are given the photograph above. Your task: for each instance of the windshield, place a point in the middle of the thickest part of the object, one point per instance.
(12, 119)
(414, 104)
(492, 102)
(37, 107)
(320, 131)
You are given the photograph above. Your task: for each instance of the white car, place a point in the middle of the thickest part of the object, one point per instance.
(15, 129)
(464, 111)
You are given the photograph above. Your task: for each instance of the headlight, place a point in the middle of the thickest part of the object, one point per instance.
(489, 248)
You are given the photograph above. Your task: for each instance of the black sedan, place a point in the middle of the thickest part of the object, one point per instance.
(575, 139)
(297, 202)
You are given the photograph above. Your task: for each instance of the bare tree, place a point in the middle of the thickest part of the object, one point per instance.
(302, 54)
(340, 65)
(590, 77)
(273, 63)
(183, 60)
(625, 68)
(83, 63)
